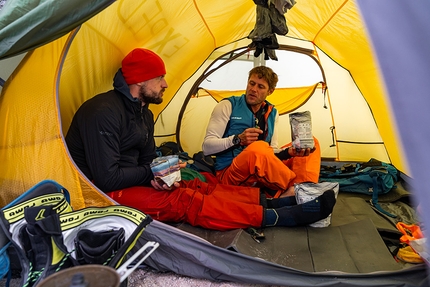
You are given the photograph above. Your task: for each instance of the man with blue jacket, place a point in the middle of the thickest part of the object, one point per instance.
(243, 135)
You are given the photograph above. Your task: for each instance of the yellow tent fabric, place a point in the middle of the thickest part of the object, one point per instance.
(285, 99)
(342, 120)
(40, 97)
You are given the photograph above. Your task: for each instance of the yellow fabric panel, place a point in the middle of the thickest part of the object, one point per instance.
(85, 71)
(183, 33)
(336, 28)
(289, 99)
(32, 147)
(237, 21)
(285, 99)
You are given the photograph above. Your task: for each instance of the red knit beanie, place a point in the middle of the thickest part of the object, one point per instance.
(141, 65)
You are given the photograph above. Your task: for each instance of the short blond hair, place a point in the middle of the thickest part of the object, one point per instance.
(265, 73)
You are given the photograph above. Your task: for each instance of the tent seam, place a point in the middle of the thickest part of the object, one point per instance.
(204, 21)
(329, 20)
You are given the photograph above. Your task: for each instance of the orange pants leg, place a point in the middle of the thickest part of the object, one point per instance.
(218, 207)
(257, 165)
(307, 169)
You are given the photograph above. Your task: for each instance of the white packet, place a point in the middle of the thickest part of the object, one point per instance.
(309, 191)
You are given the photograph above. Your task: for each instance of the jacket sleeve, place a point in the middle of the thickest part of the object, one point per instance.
(274, 140)
(100, 134)
(214, 142)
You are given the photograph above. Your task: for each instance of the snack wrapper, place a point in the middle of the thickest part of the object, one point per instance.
(166, 169)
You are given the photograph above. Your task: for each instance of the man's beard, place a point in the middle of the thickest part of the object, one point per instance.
(150, 97)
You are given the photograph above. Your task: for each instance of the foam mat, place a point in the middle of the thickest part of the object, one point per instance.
(352, 243)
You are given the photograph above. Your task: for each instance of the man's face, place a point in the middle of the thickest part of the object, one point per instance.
(256, 91)
(151, 91)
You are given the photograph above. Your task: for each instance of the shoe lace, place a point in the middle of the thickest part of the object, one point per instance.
(66, 256)
(110, 258)
(33, 275)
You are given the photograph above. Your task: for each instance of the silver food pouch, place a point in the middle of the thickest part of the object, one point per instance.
(301, 130)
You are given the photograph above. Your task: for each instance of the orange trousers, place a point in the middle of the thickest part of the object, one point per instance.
(258, 166)
(211, 206)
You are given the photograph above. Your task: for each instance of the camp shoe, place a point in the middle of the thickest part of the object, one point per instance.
(45, 193)
(98, 247)
(42, 242)
(109, 231)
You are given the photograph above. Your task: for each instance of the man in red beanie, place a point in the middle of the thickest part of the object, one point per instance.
(111, 139)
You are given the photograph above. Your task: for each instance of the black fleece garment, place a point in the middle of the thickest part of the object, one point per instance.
(111, 139)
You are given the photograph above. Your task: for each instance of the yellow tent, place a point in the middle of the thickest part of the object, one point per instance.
(39, 99)
(73, 49)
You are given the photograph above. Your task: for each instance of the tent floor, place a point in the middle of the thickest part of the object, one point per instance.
(357, 241)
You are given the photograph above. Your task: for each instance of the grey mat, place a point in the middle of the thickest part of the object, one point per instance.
(352, 243)
(353, 248)
(349, 209)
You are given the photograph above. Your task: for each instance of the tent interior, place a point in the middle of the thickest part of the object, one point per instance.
(325, 65)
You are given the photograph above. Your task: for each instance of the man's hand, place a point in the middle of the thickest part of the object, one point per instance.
(249, 136)
(300, 152)
(290, 152)
(182, 164)
(162, 186)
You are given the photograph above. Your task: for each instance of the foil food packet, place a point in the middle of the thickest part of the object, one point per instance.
(166, 169)
(301, 130)
(308, 191)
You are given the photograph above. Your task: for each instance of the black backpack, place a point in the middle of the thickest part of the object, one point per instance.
(199, 161)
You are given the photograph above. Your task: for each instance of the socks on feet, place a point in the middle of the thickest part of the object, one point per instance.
(302, 214)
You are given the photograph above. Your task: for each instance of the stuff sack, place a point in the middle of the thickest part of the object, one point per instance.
(362, 177)
(167, 148)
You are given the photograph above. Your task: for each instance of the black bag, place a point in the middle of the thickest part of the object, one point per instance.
(203, 162)
(168, 148)
(199, 161)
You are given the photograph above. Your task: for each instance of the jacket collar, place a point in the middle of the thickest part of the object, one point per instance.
(121, 86)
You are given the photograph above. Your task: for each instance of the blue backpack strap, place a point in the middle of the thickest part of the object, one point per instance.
(375, 175)
(5, 264)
